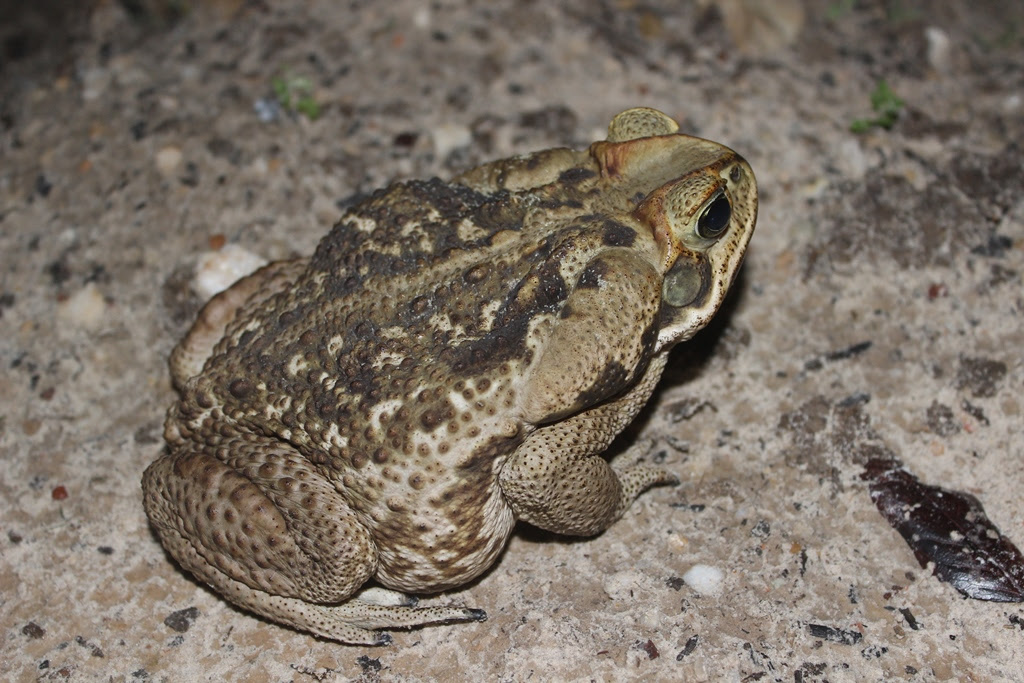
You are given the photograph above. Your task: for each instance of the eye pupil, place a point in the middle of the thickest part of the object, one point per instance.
(715, 218)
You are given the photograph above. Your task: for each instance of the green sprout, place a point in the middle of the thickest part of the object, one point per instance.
(837, 10)
(885, 104)
(295, 94)
(899, 13)
(896, 11)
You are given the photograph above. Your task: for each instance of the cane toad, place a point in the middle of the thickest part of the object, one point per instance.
(455, 356)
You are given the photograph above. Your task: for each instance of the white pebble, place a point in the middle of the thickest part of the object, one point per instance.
(704, 579)
(218, 270)
(939, 50)
(851, 158)
(385, 597)
(84, 308)
(95, 82)
(168, 160)
(421, 18)
(450, 136)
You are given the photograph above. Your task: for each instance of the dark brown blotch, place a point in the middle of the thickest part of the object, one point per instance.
(593, 275)
(615, 234)
(613, 378)
(575, 175)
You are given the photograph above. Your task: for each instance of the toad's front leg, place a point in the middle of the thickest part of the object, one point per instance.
(595, 374)
(558, 479)
(267, 531)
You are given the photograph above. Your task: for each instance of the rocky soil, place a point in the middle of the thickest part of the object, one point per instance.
(879, 315)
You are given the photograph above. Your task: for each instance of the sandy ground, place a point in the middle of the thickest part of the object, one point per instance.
(880, 312)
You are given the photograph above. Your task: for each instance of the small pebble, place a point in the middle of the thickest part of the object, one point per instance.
(704, 579)
(940, 55)
(852, 158)
(377, 595)
(421, 18)
(448, 137)
(678, 543)
(95, 82)
(168, 160)
(84, 308)
(267, 109)
(218, 270)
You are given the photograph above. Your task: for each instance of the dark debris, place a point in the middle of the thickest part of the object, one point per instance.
(849, 351)
(834, 635)
(33, 630)
(950, 529)
(369, 664)
(980, 376)
(650, 648)
(910, 619)
(941, 419)
(182, 620)
(691, 645)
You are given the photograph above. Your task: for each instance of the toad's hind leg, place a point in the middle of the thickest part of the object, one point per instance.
(270, 534)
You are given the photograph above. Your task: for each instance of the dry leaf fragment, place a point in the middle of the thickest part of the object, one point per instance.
(950, 529)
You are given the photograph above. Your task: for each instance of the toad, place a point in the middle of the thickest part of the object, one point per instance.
(455, 356)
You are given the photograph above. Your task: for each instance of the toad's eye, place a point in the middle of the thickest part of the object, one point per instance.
(714, 219)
